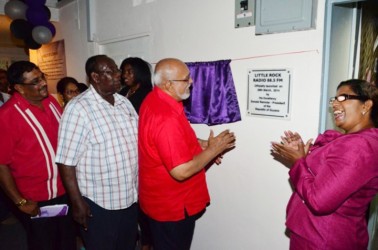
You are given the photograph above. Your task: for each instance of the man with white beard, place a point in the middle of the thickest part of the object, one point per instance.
(172, 183)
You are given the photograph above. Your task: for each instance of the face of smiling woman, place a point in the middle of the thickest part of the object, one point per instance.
(351, 115)
(70, 92)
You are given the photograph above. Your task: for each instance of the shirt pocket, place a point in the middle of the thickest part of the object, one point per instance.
(100, 131)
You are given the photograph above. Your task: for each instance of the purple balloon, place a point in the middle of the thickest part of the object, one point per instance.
(37, 15)
(48, 11)
(35, 3)
(51, 27)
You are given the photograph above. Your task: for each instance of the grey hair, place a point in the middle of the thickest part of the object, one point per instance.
(157, 78)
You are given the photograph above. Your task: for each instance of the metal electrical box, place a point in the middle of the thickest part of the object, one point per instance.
(274, 16)
(244, 13)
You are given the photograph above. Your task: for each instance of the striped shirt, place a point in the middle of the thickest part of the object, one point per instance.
(27, 146)
(100, 140)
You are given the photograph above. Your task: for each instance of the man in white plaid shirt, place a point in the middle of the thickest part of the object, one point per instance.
(98, 159)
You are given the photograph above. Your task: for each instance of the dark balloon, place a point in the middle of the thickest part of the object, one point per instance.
(38, 15)
(35, 3)
(51, 27)
(31, 43)
(21, 28)
(48, 12)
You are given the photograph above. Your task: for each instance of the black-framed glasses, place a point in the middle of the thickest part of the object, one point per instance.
(35, 81)
(344, 97)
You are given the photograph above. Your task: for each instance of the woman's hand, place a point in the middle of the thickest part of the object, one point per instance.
(291, 148)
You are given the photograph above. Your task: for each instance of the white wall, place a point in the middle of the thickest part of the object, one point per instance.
(250, 189)
(72, 27)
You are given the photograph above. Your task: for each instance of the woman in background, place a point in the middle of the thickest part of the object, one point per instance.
(67, 88)
(82, 87)
(136, 76)
(4, 87)
(335, 179)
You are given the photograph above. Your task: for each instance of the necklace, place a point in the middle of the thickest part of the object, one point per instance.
(130, 93)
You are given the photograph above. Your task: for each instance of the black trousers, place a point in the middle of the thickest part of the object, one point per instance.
(173, 235)
(145, 231)
(12, 233)
(111, 229)
(54, 233)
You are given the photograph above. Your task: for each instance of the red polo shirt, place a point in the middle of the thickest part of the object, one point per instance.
(28, 140)
(166, 140)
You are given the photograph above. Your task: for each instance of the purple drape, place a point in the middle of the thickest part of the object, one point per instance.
(213, 100)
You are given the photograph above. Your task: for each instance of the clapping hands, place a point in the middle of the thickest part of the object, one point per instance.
(291, 148)
(219, 144)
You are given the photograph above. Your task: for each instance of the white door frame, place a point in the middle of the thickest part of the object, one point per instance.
(327, 59)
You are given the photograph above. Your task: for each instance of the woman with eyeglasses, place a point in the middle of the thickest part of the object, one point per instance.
(335, 178)
(67, 88)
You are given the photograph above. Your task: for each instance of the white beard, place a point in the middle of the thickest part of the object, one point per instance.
(184, 96)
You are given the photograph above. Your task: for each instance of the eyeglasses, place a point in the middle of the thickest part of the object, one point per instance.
(35, 81)
(180, 80)
(344, 97)
(72, 92)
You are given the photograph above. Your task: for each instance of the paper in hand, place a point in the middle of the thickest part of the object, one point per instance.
(52, 211)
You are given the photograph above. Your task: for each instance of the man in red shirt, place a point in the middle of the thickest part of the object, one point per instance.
(172, 184)
(28, 173)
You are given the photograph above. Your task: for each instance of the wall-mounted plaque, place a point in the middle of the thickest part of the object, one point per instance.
(269, 93)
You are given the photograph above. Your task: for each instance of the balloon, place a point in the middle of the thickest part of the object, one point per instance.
(21, 28)
(31, 43)
(15, 9)
(35, 3)
(48, 11)
(51, 27)
(38, 15)
(41, 34)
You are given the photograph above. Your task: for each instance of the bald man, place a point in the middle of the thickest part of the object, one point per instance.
(172, 184)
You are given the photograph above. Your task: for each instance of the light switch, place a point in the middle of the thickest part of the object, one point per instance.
(244, 13)
(244, 5)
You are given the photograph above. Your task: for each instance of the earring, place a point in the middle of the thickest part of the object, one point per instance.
(363, 112)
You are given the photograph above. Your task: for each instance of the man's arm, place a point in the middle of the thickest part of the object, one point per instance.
(216, 146)
(8, 184)
(80, 208)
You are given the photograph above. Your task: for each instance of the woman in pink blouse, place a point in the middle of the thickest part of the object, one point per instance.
(335, 178)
